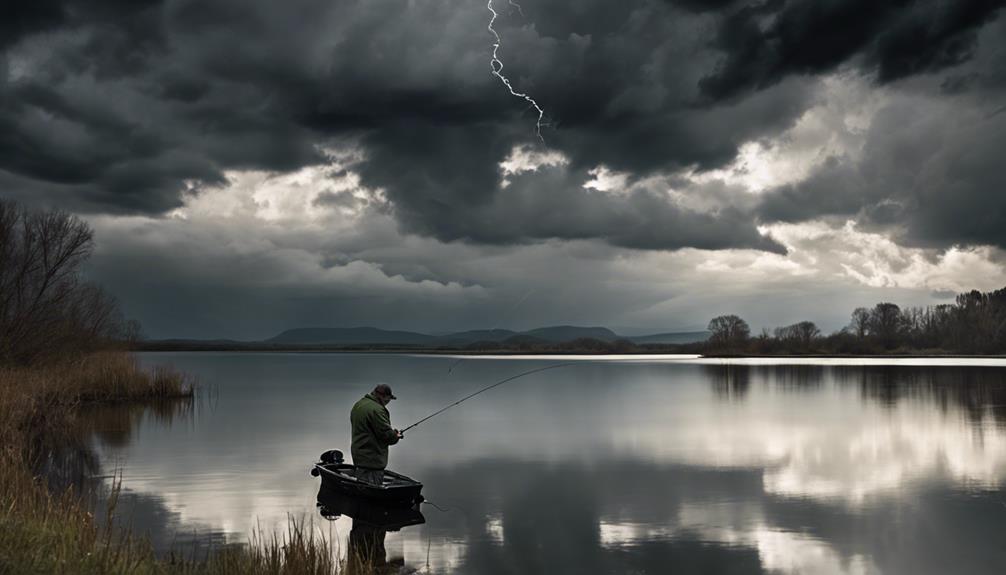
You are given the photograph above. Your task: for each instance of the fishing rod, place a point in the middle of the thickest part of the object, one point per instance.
(484, 389)
(455, 363)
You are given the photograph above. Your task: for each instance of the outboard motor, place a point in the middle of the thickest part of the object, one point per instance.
(332, 456)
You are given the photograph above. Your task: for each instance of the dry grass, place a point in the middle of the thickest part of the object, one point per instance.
(104, 377)
(46, 531)
(298, 551)
(39, 405)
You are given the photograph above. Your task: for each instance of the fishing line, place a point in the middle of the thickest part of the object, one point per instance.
(429, 530)
(439, 508)
(485, 389)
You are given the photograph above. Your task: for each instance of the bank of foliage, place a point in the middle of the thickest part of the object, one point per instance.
(45, 525)
(975, 324)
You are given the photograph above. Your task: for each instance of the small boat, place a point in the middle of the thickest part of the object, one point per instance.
(339, 477)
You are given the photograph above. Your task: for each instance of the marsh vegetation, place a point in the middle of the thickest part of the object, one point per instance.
(62, 354)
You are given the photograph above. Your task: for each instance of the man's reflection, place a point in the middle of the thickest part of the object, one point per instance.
(366, 548)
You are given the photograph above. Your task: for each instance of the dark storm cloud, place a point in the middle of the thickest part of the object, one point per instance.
(124, 113)
(764, 42)
(702, 5)
(551, 203)
(124, 106)
(23, 18)
(116, 18)
(930, 172)
(109, 108)
(607, 73)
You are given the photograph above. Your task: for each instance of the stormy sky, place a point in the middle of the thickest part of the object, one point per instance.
(251, 165)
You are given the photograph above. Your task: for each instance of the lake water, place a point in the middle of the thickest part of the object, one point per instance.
(613, 466)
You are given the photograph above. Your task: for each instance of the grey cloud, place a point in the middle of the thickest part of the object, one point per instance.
(551, 203)
(837, 188)
(930, 173)
(178, 299)
(25, 18)
(764, 42)
(702, 5)
(341, 199)
(120, 106)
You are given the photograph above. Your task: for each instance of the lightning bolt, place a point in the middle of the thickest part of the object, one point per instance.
(496, 65)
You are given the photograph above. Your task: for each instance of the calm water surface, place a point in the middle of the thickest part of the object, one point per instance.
(656, 466)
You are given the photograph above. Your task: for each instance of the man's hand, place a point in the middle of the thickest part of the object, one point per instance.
(399, 434)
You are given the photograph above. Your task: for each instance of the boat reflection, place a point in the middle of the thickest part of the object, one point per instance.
(371, 523)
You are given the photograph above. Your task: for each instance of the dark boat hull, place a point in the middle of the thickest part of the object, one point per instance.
(397, 489)
(332, 504)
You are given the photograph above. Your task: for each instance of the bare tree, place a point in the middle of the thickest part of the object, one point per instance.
(728, 331)
(800, 334)
(45, 307)
(860, 324)
(887, 323)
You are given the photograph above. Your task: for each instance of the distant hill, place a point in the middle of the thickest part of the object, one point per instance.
(350, 336)
(561, 333)
(477, 335)
(317, 337)
(679, 337)
(184, 341)
(377, 336)
(524, 339)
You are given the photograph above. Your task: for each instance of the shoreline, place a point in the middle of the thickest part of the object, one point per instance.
(559, 353)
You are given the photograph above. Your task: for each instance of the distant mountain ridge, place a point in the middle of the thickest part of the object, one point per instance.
(366, 335)
(349, 336)
(561, 333)
(677, 337)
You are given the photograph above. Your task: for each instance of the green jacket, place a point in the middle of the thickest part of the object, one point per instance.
(372, 433)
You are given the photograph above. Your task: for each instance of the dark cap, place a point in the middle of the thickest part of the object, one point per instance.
(383, 389)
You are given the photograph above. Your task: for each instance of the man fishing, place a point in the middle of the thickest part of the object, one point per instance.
(372, 434)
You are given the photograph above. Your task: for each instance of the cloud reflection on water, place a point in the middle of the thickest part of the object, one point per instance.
(629, 467)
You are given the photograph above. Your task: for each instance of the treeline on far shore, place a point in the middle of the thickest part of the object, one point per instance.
(580, 346)
(975, 324)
